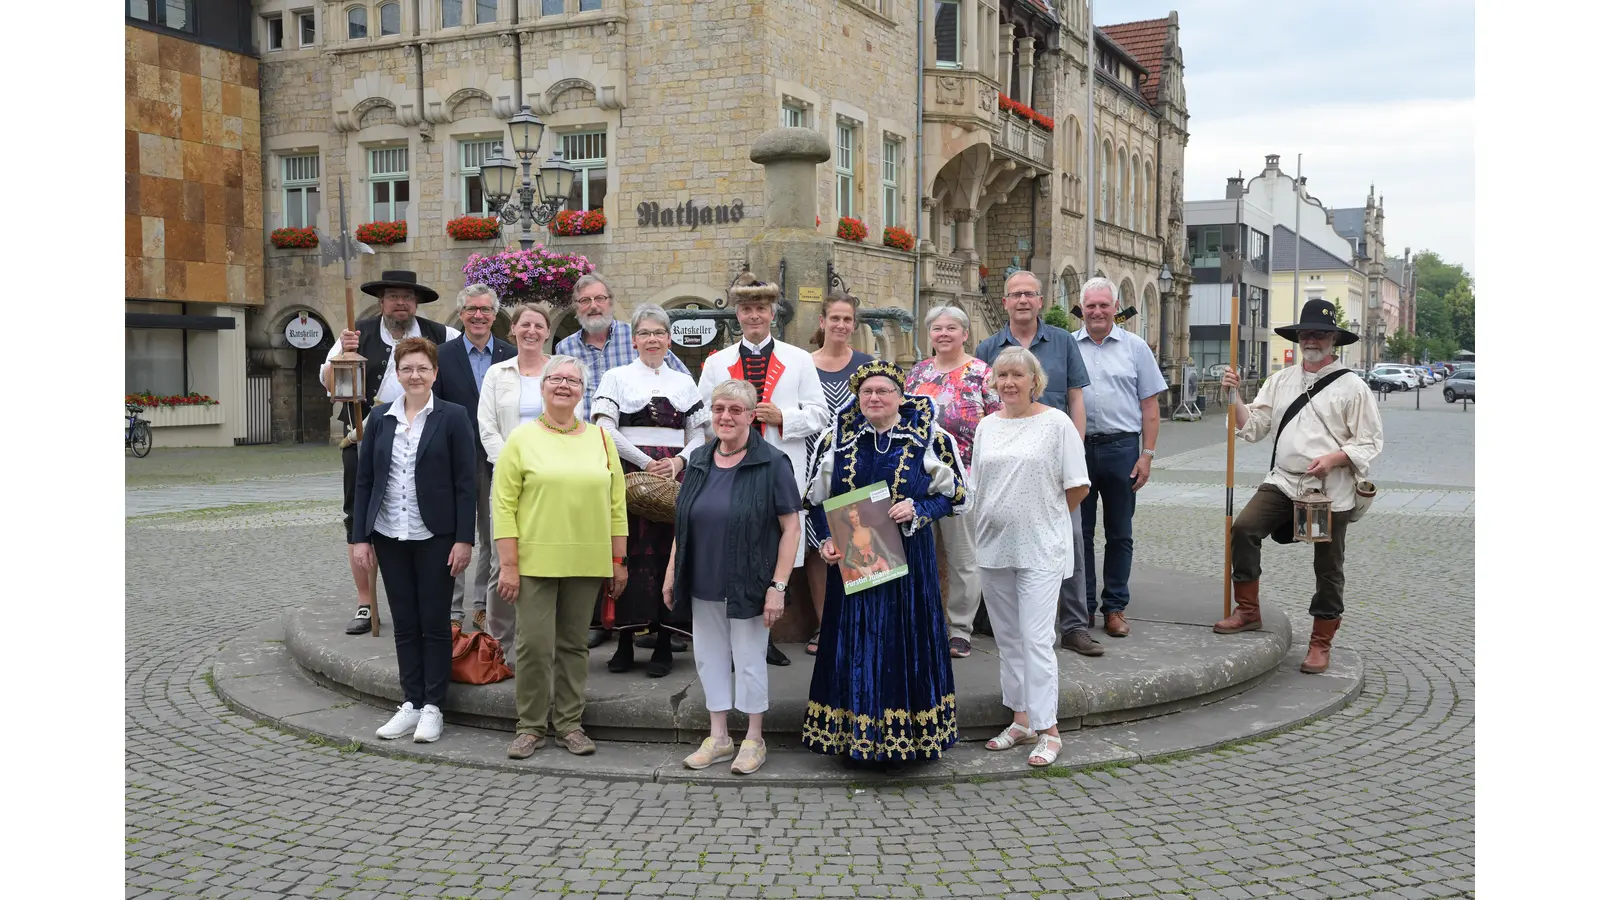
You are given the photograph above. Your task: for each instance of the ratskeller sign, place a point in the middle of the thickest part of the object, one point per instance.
(687, 215)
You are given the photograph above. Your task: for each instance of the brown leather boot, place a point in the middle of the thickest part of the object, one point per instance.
(1322, 631)
(1246, 609)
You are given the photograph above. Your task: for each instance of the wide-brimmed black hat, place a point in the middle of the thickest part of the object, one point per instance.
(1317, 315)
(400, 278)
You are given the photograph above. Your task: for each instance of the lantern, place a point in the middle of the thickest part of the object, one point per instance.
(347, 378)
(556, 177)
(1313, 518)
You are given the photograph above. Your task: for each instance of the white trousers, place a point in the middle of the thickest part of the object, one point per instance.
(1022, 609)
(961, 604)
(730, 656)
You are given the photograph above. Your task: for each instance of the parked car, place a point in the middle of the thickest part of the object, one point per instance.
(1390, 377)
(1462, 384)
(1424, 376)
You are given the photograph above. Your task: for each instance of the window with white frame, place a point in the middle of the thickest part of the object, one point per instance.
(586, 151)
(306, 24)
(388, 19)
(275, 32)
(794, 115)
(302, 191)
(356, 20)
(389, 183)
(891, 180)
(844, 170)
(488, 12)
(474, 202)
(449, 13)
(947, 33)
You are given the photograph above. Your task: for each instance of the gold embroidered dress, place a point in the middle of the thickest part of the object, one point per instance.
(882, 689)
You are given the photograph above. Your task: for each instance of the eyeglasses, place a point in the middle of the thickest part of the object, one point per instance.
(476, 311)
(720, 409)
(1022, 295)
(562, 379)
(1316, 335)
(409, 371)
(591, 301)
(877, 392)
(652, 333)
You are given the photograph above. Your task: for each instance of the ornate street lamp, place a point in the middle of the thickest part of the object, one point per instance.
(535, 201)
(1164, 284)
(1255, 309)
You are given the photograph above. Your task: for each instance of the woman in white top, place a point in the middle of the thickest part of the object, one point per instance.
(1028, 474)
(510, 397)
(656, 417)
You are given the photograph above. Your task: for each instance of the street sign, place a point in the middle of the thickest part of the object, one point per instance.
(693, 332)
(1288, 357)
(303, 332)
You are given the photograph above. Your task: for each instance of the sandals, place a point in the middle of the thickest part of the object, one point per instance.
(1013, 735)
(811, 645)
(1046, 751)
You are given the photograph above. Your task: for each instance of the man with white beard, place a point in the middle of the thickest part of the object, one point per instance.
(1326, 432)
(602, 343)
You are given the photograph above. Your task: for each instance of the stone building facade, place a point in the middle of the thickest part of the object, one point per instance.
(193, 265)
(658, 104)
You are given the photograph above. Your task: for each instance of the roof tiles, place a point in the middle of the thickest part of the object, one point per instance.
(1146, 40)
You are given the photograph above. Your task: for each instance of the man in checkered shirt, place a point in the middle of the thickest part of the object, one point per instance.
(602, 343)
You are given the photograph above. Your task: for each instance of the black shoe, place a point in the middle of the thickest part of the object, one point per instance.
(622, 660)
(598, 636)
(679, 644)
(660, 662)
(362, 623)
(1080, 642)
(775, 656)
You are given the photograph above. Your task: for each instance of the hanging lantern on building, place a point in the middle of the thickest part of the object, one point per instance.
(1313, 518)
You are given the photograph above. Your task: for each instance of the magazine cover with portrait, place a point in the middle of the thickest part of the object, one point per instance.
(866, 536)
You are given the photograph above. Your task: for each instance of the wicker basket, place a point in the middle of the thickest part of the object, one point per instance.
(652, 496)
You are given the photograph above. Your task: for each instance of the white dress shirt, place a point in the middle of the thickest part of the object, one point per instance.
(399, 516)
(1343, 417)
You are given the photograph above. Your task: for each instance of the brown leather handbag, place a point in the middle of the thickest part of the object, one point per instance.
(476, 658)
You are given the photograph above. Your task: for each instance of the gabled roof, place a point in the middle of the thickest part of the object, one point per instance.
(1350, 221)
(1145, 41)
(1312, 257)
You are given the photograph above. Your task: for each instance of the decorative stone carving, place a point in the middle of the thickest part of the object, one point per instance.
(986, 98)
(949, 90)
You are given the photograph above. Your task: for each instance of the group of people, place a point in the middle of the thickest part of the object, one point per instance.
(998, 454)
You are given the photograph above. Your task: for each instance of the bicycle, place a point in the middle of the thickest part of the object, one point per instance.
(137, 436)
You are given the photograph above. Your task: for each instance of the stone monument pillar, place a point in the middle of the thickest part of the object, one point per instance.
(791, 235)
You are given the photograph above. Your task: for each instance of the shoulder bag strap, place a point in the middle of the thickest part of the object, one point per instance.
(1299, 404)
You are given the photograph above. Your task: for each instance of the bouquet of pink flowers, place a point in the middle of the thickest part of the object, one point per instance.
(536, 274)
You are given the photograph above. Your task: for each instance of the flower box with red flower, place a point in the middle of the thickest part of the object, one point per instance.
(381, 232)
(178, 410)
(294, 238)
(898, 238)
(473, 228)
(572, 222)
(852, 229)
(1026, 112)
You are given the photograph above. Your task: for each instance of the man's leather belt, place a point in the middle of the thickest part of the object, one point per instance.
(1109, 436)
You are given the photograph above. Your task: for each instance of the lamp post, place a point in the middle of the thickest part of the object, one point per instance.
(1355, 325)
(1164, 285)
(1255, 343)
(536, 202)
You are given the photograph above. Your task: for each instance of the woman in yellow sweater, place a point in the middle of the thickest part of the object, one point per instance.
(561, 529)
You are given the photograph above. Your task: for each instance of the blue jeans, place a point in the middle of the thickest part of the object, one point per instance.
(1111, 487)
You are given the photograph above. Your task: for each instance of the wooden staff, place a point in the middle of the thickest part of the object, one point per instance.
(1227, 531)
(345, 249)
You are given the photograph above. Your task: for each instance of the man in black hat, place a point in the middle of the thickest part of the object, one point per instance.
(374, 338)
(1326, 431)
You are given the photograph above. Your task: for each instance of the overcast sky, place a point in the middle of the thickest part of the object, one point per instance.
(1368, 92)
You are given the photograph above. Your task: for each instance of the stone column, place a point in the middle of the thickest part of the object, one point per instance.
(790, 157)
(1007, 48)
(1025, 71)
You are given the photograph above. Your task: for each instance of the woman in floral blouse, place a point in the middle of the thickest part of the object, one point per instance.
(956, 381)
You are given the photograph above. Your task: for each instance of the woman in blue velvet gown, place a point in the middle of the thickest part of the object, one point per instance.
(882, 690)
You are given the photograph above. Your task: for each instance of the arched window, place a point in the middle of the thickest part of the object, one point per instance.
(1104, 212)
(1122, 187)
(1151, 201)
(1136, 220)
(1067, 289)
(1152, 317)
(388, 19)
(357, 19)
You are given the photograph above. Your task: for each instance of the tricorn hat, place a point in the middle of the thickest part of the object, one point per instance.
(748, 289)
(1317, 315)
(400, 278)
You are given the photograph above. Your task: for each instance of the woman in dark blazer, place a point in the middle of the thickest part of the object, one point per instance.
(413, 518)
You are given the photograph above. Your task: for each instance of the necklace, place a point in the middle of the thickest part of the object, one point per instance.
(882, 450)
(557, 429)
(736, 452)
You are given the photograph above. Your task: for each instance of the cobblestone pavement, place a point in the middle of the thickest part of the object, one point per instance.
(1374, 801)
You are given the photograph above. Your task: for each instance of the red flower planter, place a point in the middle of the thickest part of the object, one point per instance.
(898, 238)
(381, 232)
(473, 228)
(852, 229)
(294, 238)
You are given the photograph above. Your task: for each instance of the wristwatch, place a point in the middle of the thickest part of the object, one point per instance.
(780, 586)
(1149, 453)
(620, 561)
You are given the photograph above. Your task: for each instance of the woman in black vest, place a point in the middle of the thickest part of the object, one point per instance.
(737, 521)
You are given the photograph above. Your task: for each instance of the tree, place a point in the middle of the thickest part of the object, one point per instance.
(1434, 275)
(1460, 304)
(1338, 315)
(1401, 345)
(1445, 307)
(1434, 322)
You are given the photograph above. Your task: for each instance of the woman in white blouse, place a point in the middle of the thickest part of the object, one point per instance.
(1028, 474)
(656, 417)
(509, 397)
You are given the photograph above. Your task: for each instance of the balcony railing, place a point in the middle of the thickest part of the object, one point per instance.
(1026, 139)
(1124, 242)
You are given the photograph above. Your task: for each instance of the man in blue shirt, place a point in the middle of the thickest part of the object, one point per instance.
(1066, 378)
(462, 365)
(1122, 418)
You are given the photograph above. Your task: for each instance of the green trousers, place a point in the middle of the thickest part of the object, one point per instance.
(552, 646)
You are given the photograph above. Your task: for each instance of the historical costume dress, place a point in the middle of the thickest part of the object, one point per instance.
(882, 689)
(651, 413)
